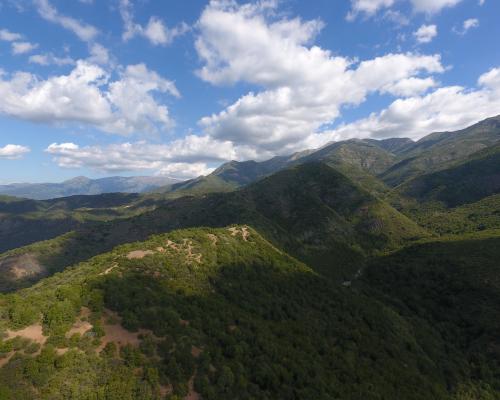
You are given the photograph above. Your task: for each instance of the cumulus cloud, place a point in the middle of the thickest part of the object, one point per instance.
(98, 54)
(9, 36)
(87, 95)
(23, 47)
(183, 158)
(50, 59)
(13, 151)
(425, 33)
(432, 6)
(445, 109)
(369, 8)
(18, 46)
(155, 31)
(409, 87)
(468, 24)
(304, 86)
(83, 30)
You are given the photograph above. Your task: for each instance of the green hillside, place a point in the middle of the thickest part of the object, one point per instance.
(440, 150)
(312, 211)
(24, 221)
(449, 291)
(467, 182)
(360, 160)
(223, 314)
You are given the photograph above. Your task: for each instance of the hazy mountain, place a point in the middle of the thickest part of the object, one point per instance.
(85, 186)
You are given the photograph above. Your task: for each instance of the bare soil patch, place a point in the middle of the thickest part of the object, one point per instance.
(115, 332)
(192, 394)
(196, 351)
(80, 326)
(138, 254)
(243, 231)
(33, 332)
(6, 359)
(22, 266)
(186, 247)
(213, 238)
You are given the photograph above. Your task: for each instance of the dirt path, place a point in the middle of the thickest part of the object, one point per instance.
(192, 394)
(6, 359)
(243, 231)
(213, 238)
(82, 324)
(187, 247)
(109, 270)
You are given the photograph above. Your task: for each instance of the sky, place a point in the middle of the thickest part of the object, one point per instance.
(176, 88)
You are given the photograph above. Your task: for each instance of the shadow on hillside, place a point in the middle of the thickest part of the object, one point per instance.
(269, 333)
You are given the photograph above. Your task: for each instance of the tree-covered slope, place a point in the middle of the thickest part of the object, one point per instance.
(24, 221)
(220, 314)
(464, 183)
(360, 160)
(440, 150)
(449, 290)
(312, 211)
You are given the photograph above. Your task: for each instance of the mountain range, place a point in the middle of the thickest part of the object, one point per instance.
(85, 186)
(367, 269)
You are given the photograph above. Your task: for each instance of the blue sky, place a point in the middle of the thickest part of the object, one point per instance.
(148, 87)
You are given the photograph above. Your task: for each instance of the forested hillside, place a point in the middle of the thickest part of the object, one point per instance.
(221, 313)
(311, 210)
(363, 270)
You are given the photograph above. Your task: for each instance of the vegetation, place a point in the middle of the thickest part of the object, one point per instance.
(228, 312)
(312, 211)
(24, 221)
(441, 150)
(295, 279)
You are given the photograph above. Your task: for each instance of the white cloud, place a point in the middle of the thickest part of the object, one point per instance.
(83, 30)
(50, 59)
(369, 8)
(481, 2)
(425, 33)
(409, 87)
(159, 34)
(87, 96)
(468, 24)
(184, 171)
(304, 87)
(13, 151)
(445, 109)
(491, 80)
(9, 36)
(98, 54)
(155, 31)
(432, 6)
(23, 47)
(182, 158)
